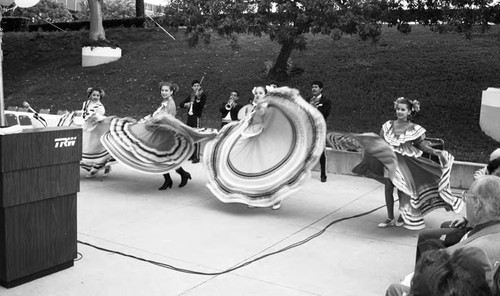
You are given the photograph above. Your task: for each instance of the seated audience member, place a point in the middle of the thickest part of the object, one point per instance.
(458, 274)
(451, 232)
(484, 171)
(493, 167)
(496, 281)
(482, 205)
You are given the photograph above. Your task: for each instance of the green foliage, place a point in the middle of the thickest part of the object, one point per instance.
(446, 73)
(111, 9)
(282, 21)
(46, 11)
(285, 22)
(468, 17)
(137, 22)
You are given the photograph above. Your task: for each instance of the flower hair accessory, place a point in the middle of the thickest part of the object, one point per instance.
(415, 105)
(92, 89)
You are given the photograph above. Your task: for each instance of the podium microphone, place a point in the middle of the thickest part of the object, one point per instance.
(36, 116)
(26, 105)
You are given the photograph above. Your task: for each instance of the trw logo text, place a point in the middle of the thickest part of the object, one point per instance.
(65, 142)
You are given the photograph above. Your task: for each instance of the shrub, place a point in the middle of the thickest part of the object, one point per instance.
(46, 11)
(13, 23)
(85, 25)
(111, 9)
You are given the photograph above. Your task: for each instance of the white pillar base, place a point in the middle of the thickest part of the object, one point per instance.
(93, 56)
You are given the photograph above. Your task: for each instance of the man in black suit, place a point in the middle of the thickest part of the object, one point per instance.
(229, 110)
(195, 103)
(324, 106)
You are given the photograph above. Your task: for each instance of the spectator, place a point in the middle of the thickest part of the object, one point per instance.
(458, 274)
(482, 205)
(484, 171)
(451, 232)
(496, 281)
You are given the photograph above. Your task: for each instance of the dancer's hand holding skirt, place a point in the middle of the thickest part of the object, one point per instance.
(425, 183)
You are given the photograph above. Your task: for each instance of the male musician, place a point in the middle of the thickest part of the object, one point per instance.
(323, 105)
(195, 103)
(229, 110)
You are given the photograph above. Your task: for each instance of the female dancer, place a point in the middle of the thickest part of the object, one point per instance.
(94, 156)
(266, 156)
(422, 184)
(258, 94)
(167, 90)
(158, 143)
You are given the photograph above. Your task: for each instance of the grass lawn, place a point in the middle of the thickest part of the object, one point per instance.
(446, 73)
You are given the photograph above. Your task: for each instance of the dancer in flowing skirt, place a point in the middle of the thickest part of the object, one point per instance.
(94, 124)
(422, 184)
(158, 143)
(266, 156)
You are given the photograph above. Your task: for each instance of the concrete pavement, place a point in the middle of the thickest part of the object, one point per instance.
(191, 229)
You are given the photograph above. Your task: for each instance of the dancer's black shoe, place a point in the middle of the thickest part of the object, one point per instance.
(168, 182)
(185, 176)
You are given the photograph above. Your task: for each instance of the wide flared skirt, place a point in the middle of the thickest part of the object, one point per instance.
(260, 163)
(94, 154)
(157, 145)
(425, 183)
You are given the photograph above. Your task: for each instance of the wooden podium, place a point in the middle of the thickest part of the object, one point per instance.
(39, 180)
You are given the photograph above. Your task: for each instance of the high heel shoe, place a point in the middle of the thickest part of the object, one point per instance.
(168, 182)
(107, 169)
(91, 174)
(184, 179)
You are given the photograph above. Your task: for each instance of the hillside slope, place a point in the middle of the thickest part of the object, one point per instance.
(445, 72)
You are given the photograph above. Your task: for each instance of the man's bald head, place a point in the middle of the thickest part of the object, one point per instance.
(484, 202)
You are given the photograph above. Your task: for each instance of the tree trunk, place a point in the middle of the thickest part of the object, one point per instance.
(139, 8)
(279, 70)
(96, 27)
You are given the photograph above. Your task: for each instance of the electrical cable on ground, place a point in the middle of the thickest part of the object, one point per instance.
(294, 245)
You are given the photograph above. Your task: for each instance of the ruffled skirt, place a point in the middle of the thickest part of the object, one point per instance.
(426, 184)
(262, 159)
(157, 145)
(95, 157)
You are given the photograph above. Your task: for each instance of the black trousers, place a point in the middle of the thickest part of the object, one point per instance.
(194, 121)
(439, 238)
(322, 163)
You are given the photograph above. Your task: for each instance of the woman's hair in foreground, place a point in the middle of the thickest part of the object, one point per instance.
(441, 274)
(173, 87)
(496, 281)
(90, 90)
(413, 106)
